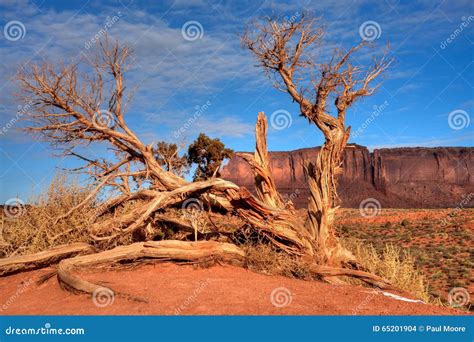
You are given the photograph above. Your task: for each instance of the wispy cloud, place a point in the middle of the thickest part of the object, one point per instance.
(459, 140)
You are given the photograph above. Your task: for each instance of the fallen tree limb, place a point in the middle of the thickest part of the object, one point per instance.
(112, 203)
(42, 259)
(176, 222)
(170, 250)
(281, 225)
(369, 278)
(135, 219)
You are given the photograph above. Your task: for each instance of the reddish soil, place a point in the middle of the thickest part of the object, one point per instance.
(220, 290)
(440, 240)
(397, 215)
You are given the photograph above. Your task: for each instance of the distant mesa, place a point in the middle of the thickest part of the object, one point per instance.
(414, 177)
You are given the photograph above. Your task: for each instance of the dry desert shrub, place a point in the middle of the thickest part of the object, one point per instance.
(34, 228)
(262, 258)
(393, 264)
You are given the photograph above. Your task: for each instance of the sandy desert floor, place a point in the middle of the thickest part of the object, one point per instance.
(169, 289)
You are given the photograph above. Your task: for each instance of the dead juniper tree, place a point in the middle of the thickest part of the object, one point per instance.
(72, 109)
(286, 50)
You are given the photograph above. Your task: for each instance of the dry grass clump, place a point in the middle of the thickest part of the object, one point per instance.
(34, 228)
(263, 258)
(393, 264)
(47, 220)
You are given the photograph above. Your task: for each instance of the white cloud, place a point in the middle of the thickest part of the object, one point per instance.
(164, 65)
(226, 126)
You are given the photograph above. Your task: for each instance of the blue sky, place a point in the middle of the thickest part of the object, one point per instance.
(426, 98)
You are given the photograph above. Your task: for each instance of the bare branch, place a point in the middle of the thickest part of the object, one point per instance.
(286, 48)
(66, 111)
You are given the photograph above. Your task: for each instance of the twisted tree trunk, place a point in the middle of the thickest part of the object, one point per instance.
(323, 200)
(286, 50)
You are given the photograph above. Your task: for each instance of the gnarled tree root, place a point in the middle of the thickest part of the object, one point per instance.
(42, 259)
(169, 250)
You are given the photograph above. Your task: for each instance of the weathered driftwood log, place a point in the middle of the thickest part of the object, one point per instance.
(42, 259)
(168, 250)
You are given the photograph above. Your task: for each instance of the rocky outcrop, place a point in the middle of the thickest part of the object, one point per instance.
(397, 177)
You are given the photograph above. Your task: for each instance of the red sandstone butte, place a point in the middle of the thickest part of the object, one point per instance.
(412, 177)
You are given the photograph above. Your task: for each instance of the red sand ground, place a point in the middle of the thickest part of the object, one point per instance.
(220, 290)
